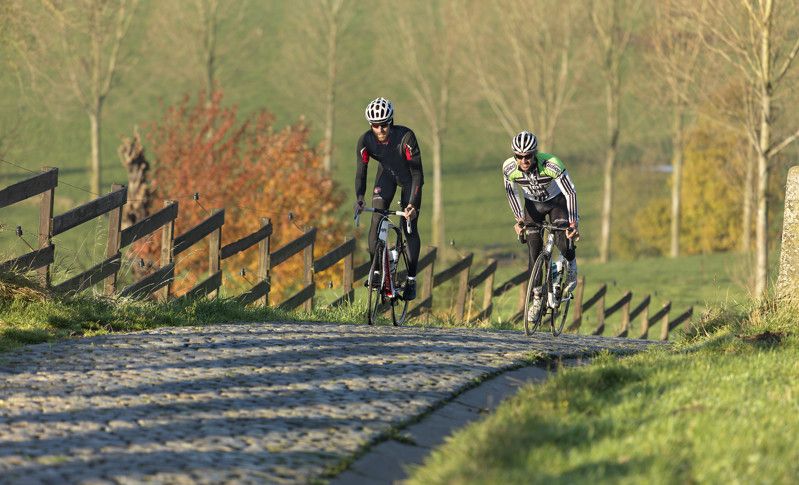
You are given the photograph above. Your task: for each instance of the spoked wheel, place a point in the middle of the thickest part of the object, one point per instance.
(558, 317)
(399, 307)
(539, 279)
(374, 286)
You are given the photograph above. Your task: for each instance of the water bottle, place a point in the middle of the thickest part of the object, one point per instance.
(383, 233)
(557, 268)
(393, 257)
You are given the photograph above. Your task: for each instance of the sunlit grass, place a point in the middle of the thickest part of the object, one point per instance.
(718, 407)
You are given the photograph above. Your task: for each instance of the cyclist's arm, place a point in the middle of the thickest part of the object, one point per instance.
(361, 162)
(567, 188)
(413, 156)
(513, 200)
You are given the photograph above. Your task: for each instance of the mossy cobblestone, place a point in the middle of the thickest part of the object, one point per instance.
(247, 403)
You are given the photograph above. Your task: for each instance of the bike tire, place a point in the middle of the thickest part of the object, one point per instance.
(557, 319)
(375, 291)
(539, 277)
(399, 306)
(558, 324)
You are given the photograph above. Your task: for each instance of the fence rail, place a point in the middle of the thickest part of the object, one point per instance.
(160, 281)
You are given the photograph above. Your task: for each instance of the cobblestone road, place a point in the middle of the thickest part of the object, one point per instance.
(273, 402)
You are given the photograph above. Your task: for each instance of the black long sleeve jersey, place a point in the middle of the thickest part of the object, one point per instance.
(400, 156)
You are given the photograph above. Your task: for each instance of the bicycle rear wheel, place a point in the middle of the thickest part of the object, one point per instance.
(538, 283)
(375, 286)
(399, 306)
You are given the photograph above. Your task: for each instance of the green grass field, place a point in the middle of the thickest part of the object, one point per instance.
(715, 408)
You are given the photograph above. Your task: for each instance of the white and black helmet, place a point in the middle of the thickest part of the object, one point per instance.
(380, 111)
(524, 143)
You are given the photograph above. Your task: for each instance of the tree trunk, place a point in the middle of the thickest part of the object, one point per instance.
(746, 223)
(612, 98)
(676, 186)
(438, 204)
(94, 128)
(761, 228)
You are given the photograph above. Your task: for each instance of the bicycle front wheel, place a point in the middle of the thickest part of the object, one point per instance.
(558, 317)
(375, 286)
(399, 306)
(539, 277)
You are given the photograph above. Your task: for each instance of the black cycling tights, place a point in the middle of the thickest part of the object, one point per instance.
(385, 188)
(535, 211)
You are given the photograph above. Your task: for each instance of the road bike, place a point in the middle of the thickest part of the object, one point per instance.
(389, 270)
(547, 279)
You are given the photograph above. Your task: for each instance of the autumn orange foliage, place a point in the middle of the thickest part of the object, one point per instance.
(252, 170)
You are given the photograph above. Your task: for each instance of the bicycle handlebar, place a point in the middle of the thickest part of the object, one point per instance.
(383, 212)
(532, 227)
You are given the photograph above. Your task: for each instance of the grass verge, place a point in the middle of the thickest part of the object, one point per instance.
(719, 406)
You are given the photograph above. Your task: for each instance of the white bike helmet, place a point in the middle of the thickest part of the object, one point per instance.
(380, 111)
(524, 143)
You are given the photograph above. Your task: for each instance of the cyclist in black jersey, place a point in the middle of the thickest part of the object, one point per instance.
(400, 164)
(544, 185)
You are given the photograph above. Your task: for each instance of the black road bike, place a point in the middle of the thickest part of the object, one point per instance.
(389, 270)
(548, 280)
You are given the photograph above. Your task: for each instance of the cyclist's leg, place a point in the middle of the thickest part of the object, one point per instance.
(383, 193)
(558, 214)
(414, 242)
(533, 213)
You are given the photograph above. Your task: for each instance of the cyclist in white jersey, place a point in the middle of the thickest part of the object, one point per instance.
(541, 181)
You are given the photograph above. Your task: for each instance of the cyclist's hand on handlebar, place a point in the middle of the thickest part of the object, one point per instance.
(572, 232)
(518, 227)
(358, 207)
(410, 212)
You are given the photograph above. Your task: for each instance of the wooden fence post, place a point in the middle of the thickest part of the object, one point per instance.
(625, 316)
(167, 252)
(264, 262)
(114, 240)
(427, 292)
(349, 277)
(215, 254)
(308, 279)
(600, 315)
(46, 227)
(488, 291)
(463, 288)
(577, 318)
(664, 329)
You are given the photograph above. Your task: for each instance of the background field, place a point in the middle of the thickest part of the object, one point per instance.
(265, 62)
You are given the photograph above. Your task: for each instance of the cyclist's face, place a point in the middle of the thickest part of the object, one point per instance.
(381, 131)
(525, 161)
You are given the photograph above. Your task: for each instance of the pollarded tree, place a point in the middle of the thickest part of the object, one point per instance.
(323, 23)
(428, 68)
(675, 58)
(528, 71)
(75, 45)
(758, 39)
(612, 24)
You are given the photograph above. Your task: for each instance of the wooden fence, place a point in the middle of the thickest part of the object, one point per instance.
(159, 283)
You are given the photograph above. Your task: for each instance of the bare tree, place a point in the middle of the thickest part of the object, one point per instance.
(191, 30)
(675, 60)
(76, 45)
(610, 20)
(323, 23)
(758, 39)
(428, 69)
(527, 71)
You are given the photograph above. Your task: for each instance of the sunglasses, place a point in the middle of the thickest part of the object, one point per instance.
(524, 157)
(380, 125)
